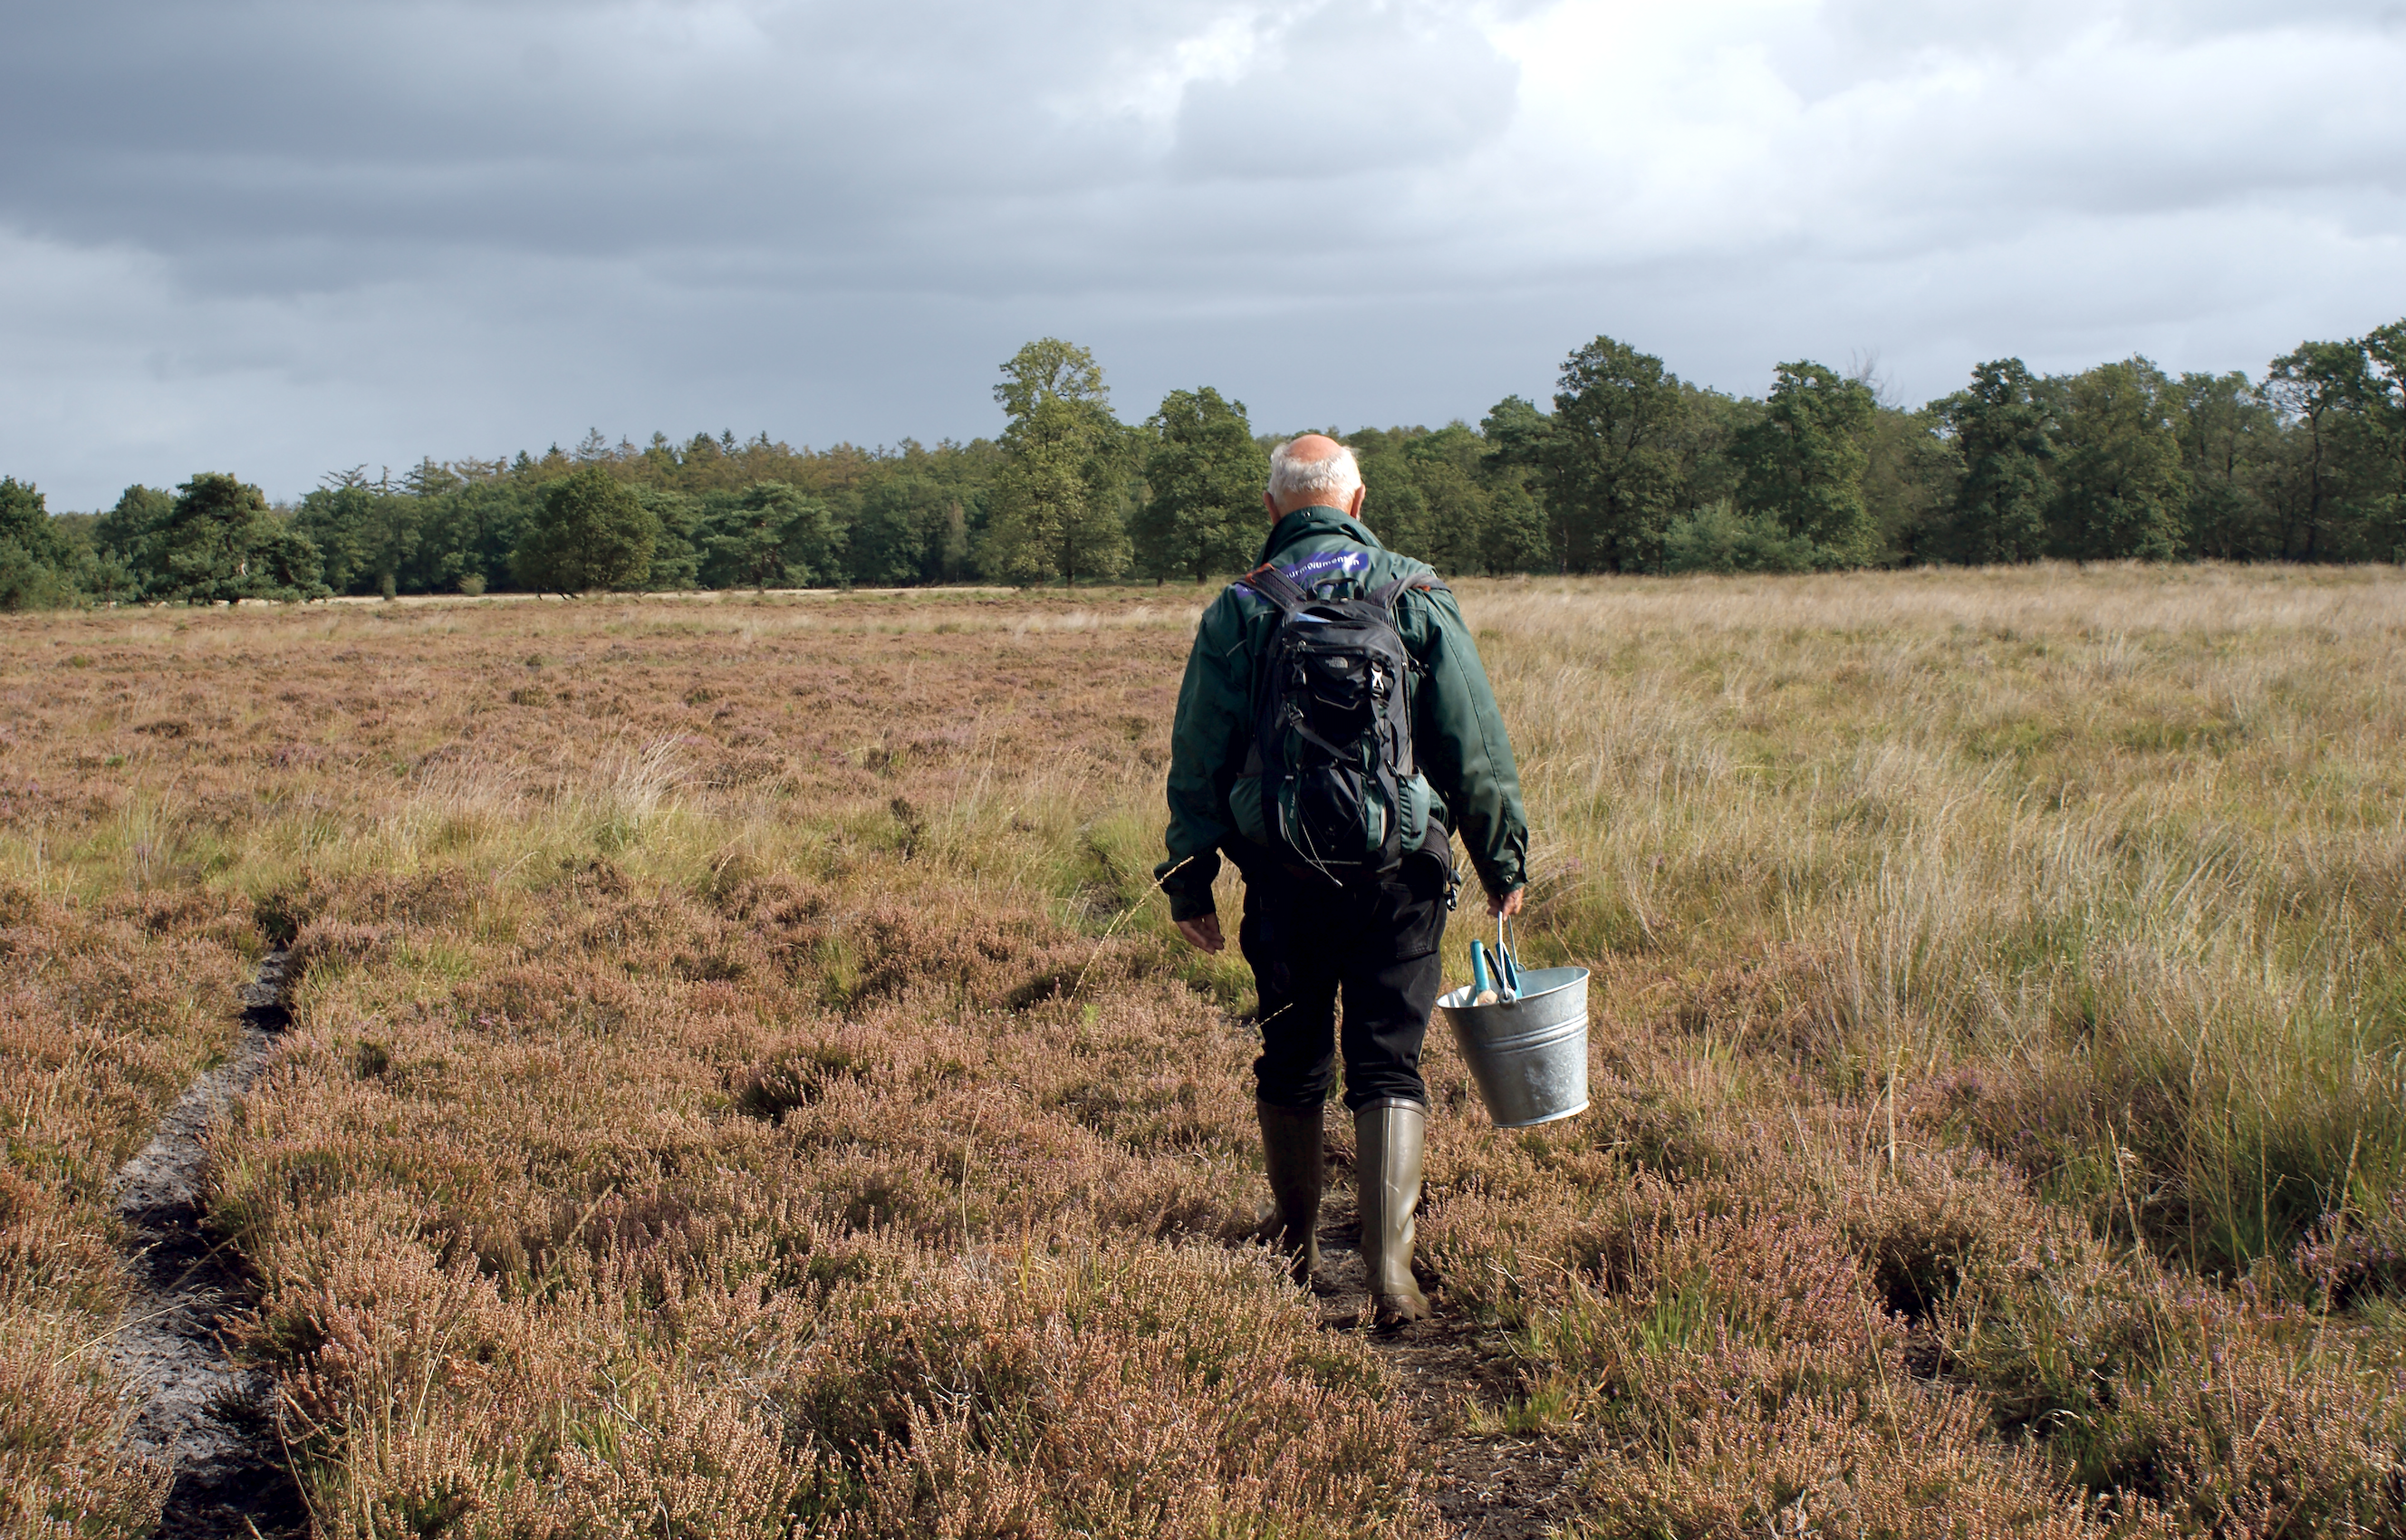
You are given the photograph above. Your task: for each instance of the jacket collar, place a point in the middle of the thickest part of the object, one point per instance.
(1304, 522)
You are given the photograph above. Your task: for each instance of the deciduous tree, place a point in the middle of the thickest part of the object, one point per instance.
(2004, 436)
(2119, 486)
(2384, 355)
(1203, 478)
(1511, 465)
(1611, 459)
(1396, 509)
(589, 531)
(1055, 507)
(2229, 439)
(1802, 465)
(2321, 391)
(899, 532)
(37, 565)
(365, 531)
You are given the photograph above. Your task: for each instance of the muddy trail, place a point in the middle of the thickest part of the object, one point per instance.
(197, 1412)
(1487, 1485)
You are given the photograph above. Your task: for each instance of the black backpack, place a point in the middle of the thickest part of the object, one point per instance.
(1331, 782)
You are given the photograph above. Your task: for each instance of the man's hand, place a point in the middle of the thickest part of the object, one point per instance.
(1204, 934)
(1502, 909)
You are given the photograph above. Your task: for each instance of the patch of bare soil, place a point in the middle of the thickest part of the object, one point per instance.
(199, 1412)
(1487, 1485)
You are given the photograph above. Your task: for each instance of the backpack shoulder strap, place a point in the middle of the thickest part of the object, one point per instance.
(1385, 595)
(1275, 585)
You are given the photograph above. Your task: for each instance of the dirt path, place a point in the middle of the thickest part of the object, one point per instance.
(206, 1418)
(1488, 1486)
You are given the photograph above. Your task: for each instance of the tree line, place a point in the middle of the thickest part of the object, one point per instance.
(1633, 469)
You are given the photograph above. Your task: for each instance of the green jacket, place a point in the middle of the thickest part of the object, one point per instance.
(1457, 733)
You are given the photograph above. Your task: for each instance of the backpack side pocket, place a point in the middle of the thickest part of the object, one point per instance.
(1411, 819)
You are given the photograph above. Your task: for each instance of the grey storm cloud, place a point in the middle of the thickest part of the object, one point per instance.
(277, 237)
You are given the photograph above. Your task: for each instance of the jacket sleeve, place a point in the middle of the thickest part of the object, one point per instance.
(1462, 749)
(1211, 731)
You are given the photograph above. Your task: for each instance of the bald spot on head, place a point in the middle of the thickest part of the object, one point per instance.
(1310, 449)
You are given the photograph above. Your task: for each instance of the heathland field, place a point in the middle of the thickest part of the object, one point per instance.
(739, 1079)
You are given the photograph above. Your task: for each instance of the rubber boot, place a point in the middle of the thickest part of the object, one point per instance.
(1296, 1155)
(1387, 1164)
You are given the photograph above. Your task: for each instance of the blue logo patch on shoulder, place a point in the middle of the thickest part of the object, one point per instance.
(1329, 567)
(1320, 571)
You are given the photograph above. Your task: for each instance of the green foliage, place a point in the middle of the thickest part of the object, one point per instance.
(589, 531)
(1802, 465)
(1514, 432)
(769, 535)
(1056, 511)
(2228, 436)
(1456, 508)
(1480, 519)
(38, 565)
(365, 533)
(1446, 498)
(218, 540)
(1717, 538)
(2117, 463)
(1396, 507)
(2383, 401)
(1204, 473)
(1910, 472)
(123, 539)
(730, 514)
(1611, 457)
(918, 504)
(2336, 495)
(2004, 436)
(677, 541)
(2120, 488)
(471, 533)
(911, 528)
(1513, 539)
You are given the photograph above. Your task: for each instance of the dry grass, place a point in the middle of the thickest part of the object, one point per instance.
(739, 1079)
(108, 1008)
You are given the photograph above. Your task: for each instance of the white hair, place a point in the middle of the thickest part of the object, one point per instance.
(1333, 478)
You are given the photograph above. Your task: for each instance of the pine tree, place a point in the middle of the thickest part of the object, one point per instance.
(220, 542)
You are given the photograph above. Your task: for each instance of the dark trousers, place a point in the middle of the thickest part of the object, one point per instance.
(1374, 942)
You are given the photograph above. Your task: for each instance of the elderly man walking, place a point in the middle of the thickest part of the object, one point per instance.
(1336, 728)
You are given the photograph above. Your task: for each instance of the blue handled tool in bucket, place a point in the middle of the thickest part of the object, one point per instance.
(1503, 980)
(1523, 1034)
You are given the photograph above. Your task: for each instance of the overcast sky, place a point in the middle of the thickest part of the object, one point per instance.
(277, 237)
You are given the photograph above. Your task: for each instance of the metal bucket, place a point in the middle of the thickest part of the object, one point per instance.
(1528, 1055)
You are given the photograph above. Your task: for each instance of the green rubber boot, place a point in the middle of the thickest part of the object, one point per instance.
(1293, 1147)
(1387, 1165)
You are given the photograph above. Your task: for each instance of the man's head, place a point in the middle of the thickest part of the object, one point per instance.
(1313, 472)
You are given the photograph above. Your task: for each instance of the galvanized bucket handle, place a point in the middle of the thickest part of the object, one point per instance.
(1507, 984)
